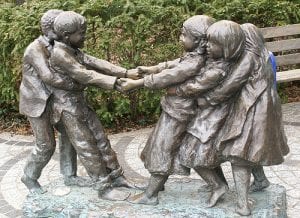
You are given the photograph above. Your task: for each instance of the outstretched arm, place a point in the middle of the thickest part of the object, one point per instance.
(211, 85)
(108, 68)
(179, 73)
(165, 78)
(64, 62)
(146, 70)
(103, 66)
(201, 83)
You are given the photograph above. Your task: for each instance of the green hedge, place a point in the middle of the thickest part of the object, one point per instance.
(128, 33)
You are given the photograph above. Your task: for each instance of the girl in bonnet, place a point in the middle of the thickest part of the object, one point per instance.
(163, 143)
(226, 43)
(251, 135)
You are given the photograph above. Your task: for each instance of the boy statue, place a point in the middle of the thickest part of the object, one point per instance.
(70, 109)
(35, 92)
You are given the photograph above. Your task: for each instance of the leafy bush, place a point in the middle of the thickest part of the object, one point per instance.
(124, 32)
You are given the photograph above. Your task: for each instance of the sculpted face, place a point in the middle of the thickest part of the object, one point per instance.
(189, 43)
(77, 39)
(214, 49)
(51, 35)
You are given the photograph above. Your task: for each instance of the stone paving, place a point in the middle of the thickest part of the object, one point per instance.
(15, 149)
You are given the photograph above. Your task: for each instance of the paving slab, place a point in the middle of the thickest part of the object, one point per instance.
(14, 150)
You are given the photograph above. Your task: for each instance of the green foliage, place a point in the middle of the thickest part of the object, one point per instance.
(124, 32)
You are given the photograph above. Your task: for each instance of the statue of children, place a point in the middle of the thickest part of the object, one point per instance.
(35, 92)
(255, 43)
(70, 108)
(159, 154)
(198, 146)
(251, 135)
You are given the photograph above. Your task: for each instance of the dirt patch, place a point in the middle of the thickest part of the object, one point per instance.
(18, 124)
(292, 91)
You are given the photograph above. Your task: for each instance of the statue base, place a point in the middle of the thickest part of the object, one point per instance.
(181, 198)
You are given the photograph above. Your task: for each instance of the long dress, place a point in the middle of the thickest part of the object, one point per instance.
(252, 132)
(197, 147)
(161, 151)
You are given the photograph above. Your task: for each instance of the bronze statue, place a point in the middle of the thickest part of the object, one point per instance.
(159, 154)
(221, 105)
(233, 80)
(66, 106)
(70, 108)
(250, 134)
(35, 93)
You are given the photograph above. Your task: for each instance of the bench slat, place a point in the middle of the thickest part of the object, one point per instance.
(288, 76)
(291, 45)
(283, 45)
(288, 30)
(288, 59)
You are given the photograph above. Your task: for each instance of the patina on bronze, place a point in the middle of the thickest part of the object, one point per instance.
(221, 105)
(65, 104)
(234, 109)
(35, 93)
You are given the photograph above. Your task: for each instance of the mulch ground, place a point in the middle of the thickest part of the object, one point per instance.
(291, 91)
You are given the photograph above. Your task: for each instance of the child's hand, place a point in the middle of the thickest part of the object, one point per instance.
(125, 84)
(118, 85)
(133, 74)
(143, 70)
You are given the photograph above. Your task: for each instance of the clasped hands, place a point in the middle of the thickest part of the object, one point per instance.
(134, 79)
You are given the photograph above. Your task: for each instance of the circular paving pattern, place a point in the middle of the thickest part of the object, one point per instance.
(15, 149)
